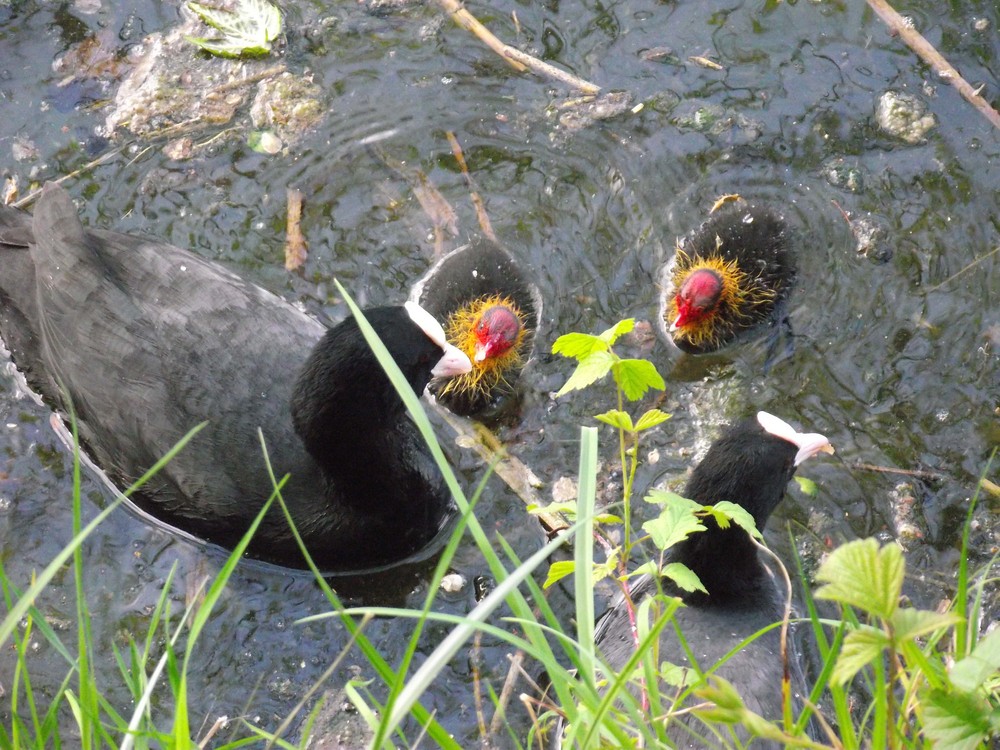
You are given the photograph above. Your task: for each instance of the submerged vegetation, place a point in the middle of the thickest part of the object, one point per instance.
(931, 677)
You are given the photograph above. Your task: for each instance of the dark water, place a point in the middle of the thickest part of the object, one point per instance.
(895, 353)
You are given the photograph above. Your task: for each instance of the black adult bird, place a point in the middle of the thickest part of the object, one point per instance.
(491, 312)
(149, 340)
(750, 464)
(727, 278)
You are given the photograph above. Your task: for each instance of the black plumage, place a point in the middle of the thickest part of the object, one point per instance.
(148, 340)
(751, 466)
(727, 278)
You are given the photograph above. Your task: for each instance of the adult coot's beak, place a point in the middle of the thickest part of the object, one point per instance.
(808, 443)
(453, 362)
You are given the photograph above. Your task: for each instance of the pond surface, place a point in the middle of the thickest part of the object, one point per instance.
(896, 349)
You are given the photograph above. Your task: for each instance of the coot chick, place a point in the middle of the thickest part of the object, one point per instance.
(750, 464)
(148, 340)
(727, 278)
(491, 312)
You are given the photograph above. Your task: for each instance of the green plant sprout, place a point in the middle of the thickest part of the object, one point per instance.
(248, 30)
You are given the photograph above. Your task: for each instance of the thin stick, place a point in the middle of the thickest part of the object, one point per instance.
(973, 264)
(520, 61)
(477, 693)
(477, 201)
(894, 470)
(915, 41)
(505, 692)
(509, 468)
(96, 162)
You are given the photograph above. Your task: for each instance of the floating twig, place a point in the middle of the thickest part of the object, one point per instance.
(477, 201)
(520, 61)
(296, 247)
(971, 265)
(505, 692)
(893, 470)
(925, 50)
(90, 165)
(510, 469)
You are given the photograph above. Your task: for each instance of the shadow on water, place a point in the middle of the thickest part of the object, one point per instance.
(894, 315)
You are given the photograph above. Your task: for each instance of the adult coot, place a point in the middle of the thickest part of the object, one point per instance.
(148, 340)
(491, 312)
(750, 464)
(727, 278)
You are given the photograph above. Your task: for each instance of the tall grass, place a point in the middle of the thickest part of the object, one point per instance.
(930, 676)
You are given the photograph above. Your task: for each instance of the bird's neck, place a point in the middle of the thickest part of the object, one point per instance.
(726, 562)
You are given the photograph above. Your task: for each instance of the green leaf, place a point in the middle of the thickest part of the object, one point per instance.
(675, 522)
(559, 570)
(971, 673)
(861, 647)
(862, 575)
(807, 485)
(666, 497)
(617, 419)
(578, 346)
(247, 30)
(566, 506)
(678, 677)
(650, 419)
(617, 330)
(912, 623)
(683, 576)
(636, 376)
(725, 511)
(649, 566)
(590, 370)
(955, 720)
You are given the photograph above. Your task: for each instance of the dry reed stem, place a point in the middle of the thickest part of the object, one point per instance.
(477, 201)
(915, 41)
(520, 61)
(514, 472)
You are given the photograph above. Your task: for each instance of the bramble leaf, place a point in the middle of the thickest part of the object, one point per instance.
(578, 346)
(650, 419)
(862, 575)
(617, 330)
(636, 376)
(617, 419)
(590, 370)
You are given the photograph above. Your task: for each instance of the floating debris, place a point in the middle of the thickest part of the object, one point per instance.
(296, 247)
(903, 116)
(248, 29)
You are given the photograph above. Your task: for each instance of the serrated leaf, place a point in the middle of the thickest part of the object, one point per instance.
(675, 522)
(970, 673)
(666, 497)
(607, 518)
(617, 419)
(636, 376)
(955, 720)
(737, 514)
(650, 419)
(247, 30)
(590, 370)
(862, 575)
(683, 576)
(912, 623)
(578, 345)
(617, 330)
(807, 485)
(647, 567)
(678, 677)
(557, 571)
(861, 647)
